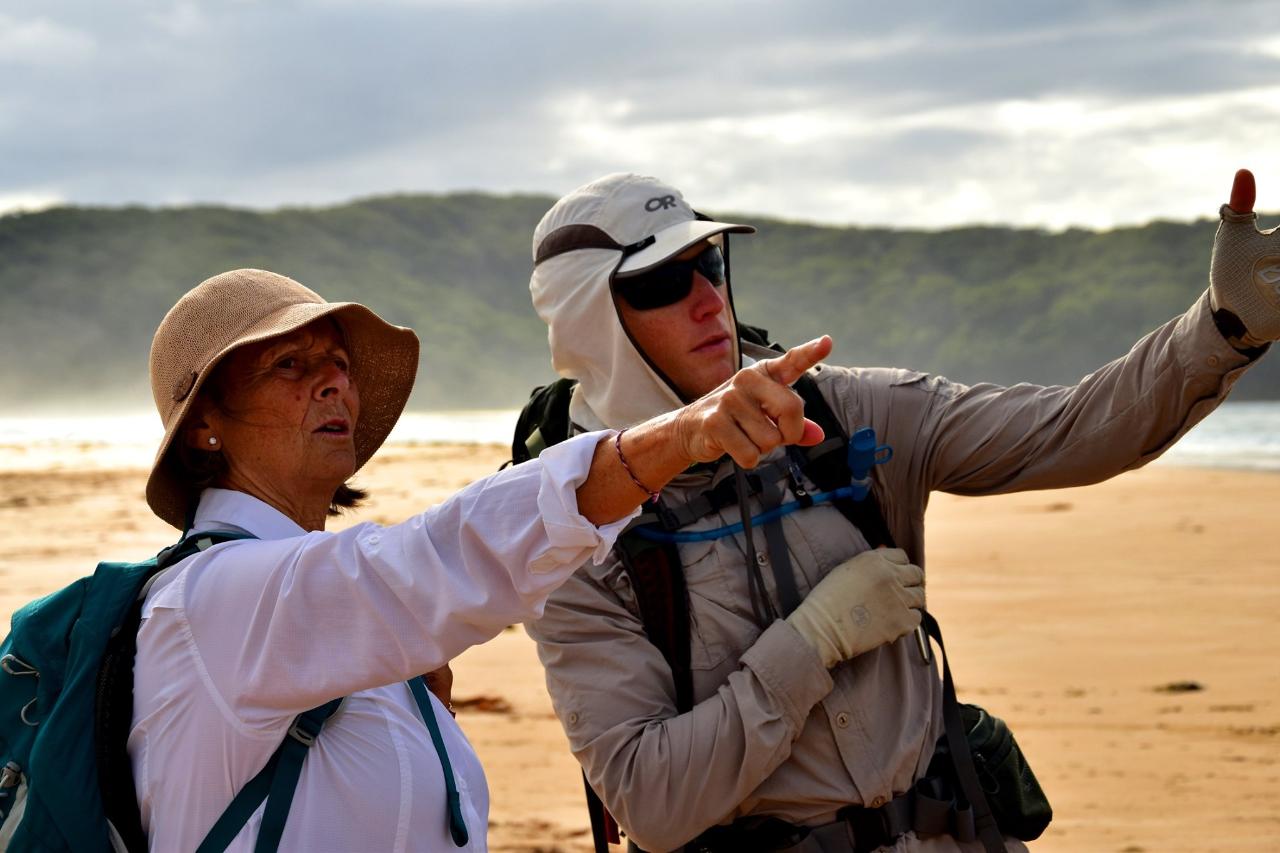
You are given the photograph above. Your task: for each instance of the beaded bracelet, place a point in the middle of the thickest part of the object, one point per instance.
(617, 445)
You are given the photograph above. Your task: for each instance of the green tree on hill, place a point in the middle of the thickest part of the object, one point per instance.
(82, 290)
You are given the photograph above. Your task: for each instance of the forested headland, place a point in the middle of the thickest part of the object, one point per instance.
(82, 290)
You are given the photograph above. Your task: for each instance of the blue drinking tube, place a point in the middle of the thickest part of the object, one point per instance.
(864, 454)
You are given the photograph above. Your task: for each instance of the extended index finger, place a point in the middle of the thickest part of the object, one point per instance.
(790, 366)
(1243, 192)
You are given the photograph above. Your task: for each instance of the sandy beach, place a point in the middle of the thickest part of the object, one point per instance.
(1126, 631)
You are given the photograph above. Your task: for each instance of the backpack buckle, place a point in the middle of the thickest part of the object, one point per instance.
(10, 776)
(795, 481)
(16, 666)
(304, 731)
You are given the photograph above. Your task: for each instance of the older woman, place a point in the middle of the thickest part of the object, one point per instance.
(271, 399)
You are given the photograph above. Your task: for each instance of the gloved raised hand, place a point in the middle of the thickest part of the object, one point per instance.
(1244, 277)
(865, 602)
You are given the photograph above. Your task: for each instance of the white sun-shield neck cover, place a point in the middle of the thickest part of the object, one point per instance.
(635, 224)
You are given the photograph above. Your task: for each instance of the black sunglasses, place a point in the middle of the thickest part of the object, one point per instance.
(669, 283)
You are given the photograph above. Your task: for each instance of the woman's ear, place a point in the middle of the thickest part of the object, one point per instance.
(199, 436)
(197, 433)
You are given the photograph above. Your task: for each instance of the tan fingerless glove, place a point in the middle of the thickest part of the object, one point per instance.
(1244, 276)
(865, 602)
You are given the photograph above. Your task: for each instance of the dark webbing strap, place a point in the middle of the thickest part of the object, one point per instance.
(958, 744)
(723, 494)
(457, 826)
(276, 783)
(604, 829)
(761, 605)
(779, 556)
(292, 753)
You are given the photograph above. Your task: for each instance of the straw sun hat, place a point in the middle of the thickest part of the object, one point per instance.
(246, 306)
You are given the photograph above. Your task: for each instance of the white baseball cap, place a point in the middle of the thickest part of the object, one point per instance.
(647, 220)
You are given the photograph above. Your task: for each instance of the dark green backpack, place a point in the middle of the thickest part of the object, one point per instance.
(544, 421)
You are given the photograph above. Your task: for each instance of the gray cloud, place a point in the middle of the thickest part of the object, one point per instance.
(803, 109)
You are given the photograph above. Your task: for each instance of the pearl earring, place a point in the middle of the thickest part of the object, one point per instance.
(212, 441)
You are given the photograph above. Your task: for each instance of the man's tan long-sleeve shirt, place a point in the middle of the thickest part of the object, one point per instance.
(772, 731)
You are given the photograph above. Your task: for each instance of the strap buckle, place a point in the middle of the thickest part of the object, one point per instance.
(15, 665)
(304, 731)
(872, 828)
(796, 481)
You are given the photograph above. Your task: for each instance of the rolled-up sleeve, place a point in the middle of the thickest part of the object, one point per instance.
(564, 469)
(284, 625)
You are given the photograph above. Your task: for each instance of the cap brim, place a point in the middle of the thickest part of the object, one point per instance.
(673, 240)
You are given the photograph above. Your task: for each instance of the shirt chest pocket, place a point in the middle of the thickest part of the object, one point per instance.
(710, 597)
(721, 625)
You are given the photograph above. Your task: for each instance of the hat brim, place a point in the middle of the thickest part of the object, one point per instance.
(384, 365)
(673, 240)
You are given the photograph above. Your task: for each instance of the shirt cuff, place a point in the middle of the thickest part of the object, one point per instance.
(1212, 365)
(565, 467)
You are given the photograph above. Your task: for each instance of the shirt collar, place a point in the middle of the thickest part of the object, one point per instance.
(224, 509)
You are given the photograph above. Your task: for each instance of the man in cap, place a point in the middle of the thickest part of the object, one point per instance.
(811, 701)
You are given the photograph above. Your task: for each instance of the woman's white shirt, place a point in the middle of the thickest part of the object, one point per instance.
(239, 639)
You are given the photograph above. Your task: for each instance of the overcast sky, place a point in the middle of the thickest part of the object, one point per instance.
(909, 114)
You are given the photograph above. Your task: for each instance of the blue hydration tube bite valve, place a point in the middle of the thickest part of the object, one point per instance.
(864, 454)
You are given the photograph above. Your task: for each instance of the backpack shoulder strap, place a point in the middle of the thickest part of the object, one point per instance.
(457, 824)
(113, 701)
(277, 781)
(958, 745)
(657, 577)
(658, 580)
(830, 469)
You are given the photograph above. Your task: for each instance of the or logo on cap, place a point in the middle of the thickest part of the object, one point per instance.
(660, 203)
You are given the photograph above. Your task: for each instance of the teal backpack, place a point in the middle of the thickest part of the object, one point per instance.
(65, 711)
(66, 707)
